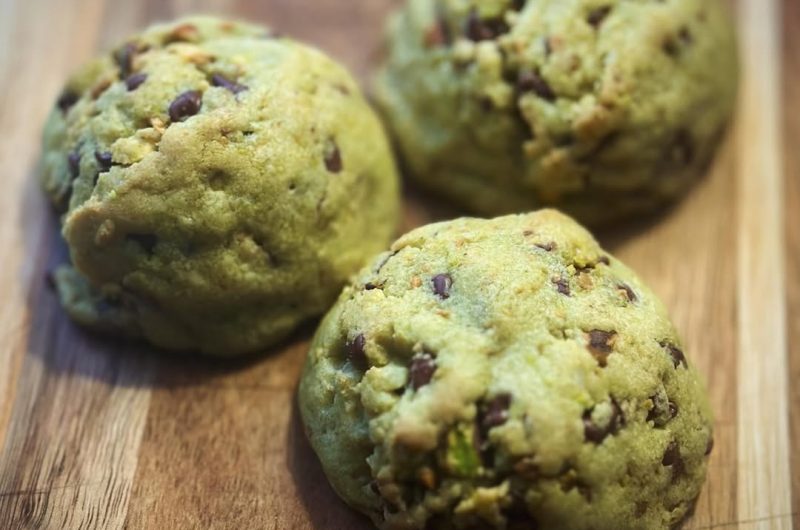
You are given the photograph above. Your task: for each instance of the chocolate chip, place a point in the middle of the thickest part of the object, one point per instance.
(518, 4)
(562, 285)
(355, 351)
(672, 455)
(185, 105)
(479, 30)
(496, 411)
(605, 260)
(629, 294)
(678, 358)
(104, 160)
(601, 345)
(74, 163)
(124, 58)
(333, 159)
(547, 247)
(685, 35)
(66, 100)
(134, 81)
(673, 409)
(661, 413)
(219, 80)
(146, 241)
(529, 81)
(597, 16)
(670, 47)
(709, 446)
(441, 285)
(595, 433)
(369, 286)
(421, 371)
(683, 147)
(438, 34)
(373, 486)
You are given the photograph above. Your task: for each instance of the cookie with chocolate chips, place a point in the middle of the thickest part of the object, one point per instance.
(605, 109)
(507, 403)
(219, 185)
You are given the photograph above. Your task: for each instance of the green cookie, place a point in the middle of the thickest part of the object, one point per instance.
(220, 185)
(604, 108)
(506, 373)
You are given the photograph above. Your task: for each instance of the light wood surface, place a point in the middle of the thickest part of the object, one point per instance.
(97, 434)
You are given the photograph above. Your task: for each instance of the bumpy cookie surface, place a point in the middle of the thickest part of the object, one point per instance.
(604, 108)
(506, 373)
(220, 185)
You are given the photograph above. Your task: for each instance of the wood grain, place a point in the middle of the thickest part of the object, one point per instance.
(791, 157)
(764, 485)
(98, 434)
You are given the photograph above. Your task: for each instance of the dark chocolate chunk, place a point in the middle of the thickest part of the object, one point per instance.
(670, 47)
(441, 285)
(496, 411)
(709, 446)
(146, 241)
(678, 358)
(66, 100)
(421, 371)
(74, 163)
(595, 433)
(683, 147)
(185, 105)
(104, 160)
(530, 81)
(685, 35)
(124, 58)
(548, 247)
(479, 29)
(369, 286)
(629, 294)
(219, 80)
(134, 81)
(672, 455)
(601, 344)
(673, 409)
(518, 4)
(333, 159)
(355, 351)
(597, 16)
(662, 413)
(605, 260)
(562, 285)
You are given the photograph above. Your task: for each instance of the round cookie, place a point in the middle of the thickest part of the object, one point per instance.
(604, 108)
(505, 373)
(220, 185)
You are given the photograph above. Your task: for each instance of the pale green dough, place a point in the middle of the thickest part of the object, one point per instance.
(607, 109)
(507, 374)
(219, 220)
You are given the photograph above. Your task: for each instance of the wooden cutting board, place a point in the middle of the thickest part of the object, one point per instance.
(97, 434)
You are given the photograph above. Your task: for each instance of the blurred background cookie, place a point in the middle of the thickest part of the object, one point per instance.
(605, 109)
